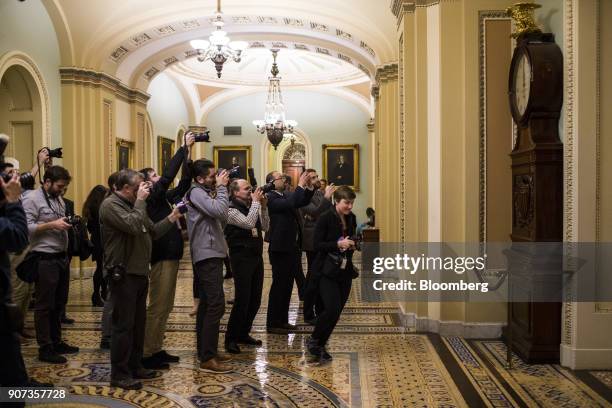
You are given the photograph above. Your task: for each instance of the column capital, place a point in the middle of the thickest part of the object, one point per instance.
(399, 7)
(387, 72)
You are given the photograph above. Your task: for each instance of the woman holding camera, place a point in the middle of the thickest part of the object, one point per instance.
(333, 268)
(91, 211)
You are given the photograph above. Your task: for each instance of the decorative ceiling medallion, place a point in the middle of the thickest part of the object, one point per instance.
(151, 73)
(323, 51)
(165, 30)
(367, 48)
(140, 39)
(241, 19)
(257, 44)
(293, 22)
(345, 58)
(170, 60)
(118, 53)
(279, 45)
(319, 27)
(267, 20)
(190, 24)
(344, 35)
(301, 47)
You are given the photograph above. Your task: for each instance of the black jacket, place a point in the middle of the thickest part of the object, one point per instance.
(13, 238)
(328, 232)
(93, 226)
(170, 245)
(285, 234)
(309, 215)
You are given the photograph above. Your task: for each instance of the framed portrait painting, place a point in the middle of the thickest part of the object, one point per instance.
(165, 151)
(341, 165)
(125, 154)
(230, 157)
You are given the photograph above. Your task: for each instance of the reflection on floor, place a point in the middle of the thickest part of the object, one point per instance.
(376, 363)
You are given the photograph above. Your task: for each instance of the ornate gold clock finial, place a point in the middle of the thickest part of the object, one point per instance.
(522, 14)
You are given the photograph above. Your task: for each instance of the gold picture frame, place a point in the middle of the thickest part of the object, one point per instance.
(223, 158)
(125, 154)
(341, 164)
(165, 151)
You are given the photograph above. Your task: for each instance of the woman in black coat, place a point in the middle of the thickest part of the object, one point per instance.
(332, 236)
(91, 209)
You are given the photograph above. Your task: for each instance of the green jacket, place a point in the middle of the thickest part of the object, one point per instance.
(128, 232)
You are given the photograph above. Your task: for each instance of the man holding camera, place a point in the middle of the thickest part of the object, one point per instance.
(247, 218)
(127, 234)
(47, 224)
(206, 218)
(167, 252)
(285, 246)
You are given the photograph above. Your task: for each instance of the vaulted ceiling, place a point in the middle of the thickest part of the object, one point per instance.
(137, 39)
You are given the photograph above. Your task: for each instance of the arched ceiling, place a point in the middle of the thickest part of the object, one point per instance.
(130, 38)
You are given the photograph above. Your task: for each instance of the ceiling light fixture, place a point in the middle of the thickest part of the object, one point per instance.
(218, 48)
(274, 125)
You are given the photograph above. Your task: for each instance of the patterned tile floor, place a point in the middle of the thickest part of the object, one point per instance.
(377, 363)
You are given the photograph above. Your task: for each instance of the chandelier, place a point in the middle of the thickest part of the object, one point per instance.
(218, 48)
(274, 125)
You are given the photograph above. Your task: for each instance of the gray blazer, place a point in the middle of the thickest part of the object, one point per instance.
(206, 219)
(309, 216)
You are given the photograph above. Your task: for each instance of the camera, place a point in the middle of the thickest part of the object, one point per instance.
(202, 136)
(73, 220)
(357, 239)
(57, 153)
(182, 207)
(116, 272)
(266, 188)
(234, 172)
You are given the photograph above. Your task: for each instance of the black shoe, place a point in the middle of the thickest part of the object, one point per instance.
(154, 363)
(126, 384)
(63, 348)
(67, 320)
(164, 357)
(105, 344)
(312, 345)
(49, 355)
(250, 341)
(145, 374)
(232, 347)
(325, 356)
(96, 300)
(35, 384)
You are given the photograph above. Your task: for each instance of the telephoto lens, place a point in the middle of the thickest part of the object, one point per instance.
(266, 188)
(202, 136)
(252, 179)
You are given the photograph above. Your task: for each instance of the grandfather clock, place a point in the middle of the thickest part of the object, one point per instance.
(536, 97)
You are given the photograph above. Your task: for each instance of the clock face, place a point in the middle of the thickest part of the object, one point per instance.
(522, 83)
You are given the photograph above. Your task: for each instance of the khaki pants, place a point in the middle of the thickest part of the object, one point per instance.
(162, 287)
(22, 291)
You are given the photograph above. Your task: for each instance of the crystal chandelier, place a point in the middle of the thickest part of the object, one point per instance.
(274, 125)
(218, 48)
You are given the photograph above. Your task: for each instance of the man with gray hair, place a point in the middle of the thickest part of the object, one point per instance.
(127, 236)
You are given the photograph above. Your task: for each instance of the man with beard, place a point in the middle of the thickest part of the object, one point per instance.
(46, 211)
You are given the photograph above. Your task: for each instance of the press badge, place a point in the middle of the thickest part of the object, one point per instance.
(254, 232)
(343, 265)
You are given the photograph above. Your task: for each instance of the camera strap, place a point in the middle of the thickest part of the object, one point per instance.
(59, 204)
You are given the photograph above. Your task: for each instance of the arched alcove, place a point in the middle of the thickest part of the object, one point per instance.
(24, 107)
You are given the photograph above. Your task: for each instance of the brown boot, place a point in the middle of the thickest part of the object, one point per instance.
(214, 366)
(223, 358)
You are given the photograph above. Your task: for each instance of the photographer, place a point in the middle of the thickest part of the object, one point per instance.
(333, 268)
(167, 252)
(13, 238)
(47, 224)
(127, 234)
(320, 202)
(247, 218)
(285, 246)
(207, 214)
